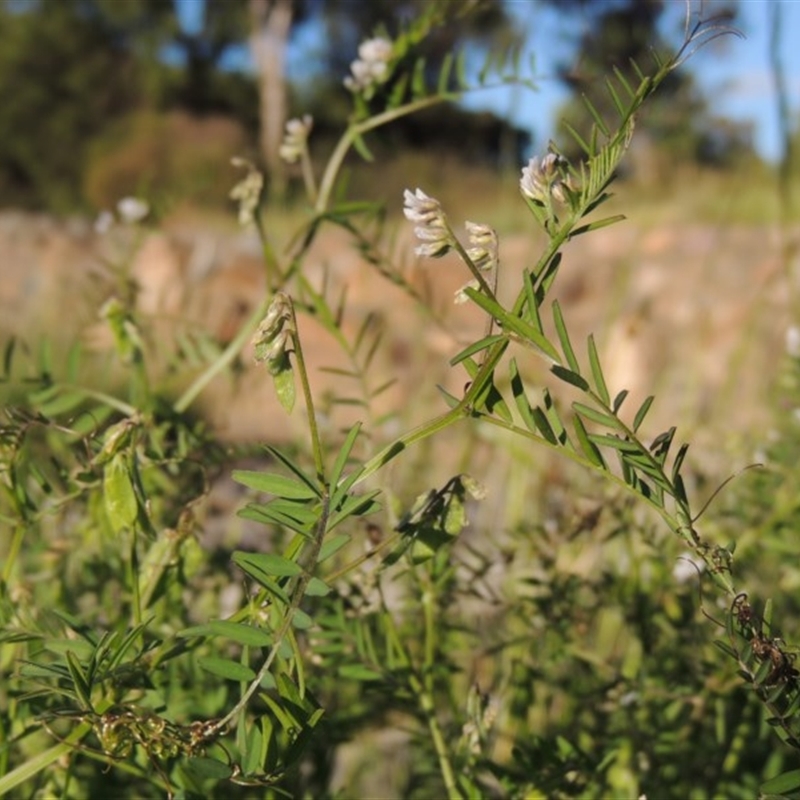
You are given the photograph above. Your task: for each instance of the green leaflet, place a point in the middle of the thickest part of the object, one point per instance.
(235, 631)
(278, 485)
(597, 372)
(225, 668)
(119, 495)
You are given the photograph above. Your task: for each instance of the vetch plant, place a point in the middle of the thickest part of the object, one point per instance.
(353, 611)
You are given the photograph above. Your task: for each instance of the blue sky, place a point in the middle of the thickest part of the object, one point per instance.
(734, 73)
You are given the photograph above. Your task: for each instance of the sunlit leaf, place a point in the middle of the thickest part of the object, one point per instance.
(358, 672)
(275, 484)
(206, 768)
(235, 631)
(332, 545)
(284, 388)
(597, 372)
(783, 783)
(642, 413)
(569, 376)
(119, 495)
(563, 337)
(225, 668)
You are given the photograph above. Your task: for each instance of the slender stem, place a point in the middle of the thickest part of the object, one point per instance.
(477, 274)
(308, 176)
(298, 593)
(357, 129)
(271, 265)
(133, 568)
(13, 552)
(106, 399)
(429, 710)
(424, 695)
(316, 445)
(43, 760)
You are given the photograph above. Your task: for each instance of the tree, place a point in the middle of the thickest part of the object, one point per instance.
(271, 22)
(63, 76)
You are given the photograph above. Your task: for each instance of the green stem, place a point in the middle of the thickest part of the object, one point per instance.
(462, 409)
(316, 445)
(133, 568)
(429, 710)
(271, 264)
(106, 399)
(13, 552)
(43, 760)
(298, 593)
(308, 176)
(476, 273)
(357, 129)
(425, 699)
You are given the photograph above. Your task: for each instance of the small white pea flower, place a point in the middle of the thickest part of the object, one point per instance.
(793, 341)
(278, 312)
(132, 209)
(483, 241)
(372, 65)
(377, 50)
(432, 229)
(248, 191)
(295, 139)
(547, 177)
(270, 329)
(276, 357)
(461, 296)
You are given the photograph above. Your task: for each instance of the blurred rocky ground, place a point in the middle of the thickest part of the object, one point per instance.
(696, 314)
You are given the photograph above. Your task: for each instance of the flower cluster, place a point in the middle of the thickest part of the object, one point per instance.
(483, 245)
(294, 141)
(432, 228)
(549, 177)
(372, 65)
(248, 191)
(272, 337)
(482, 252)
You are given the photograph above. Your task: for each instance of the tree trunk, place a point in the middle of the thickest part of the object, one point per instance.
(271, 21)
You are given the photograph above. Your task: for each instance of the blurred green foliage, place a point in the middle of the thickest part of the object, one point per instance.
(569, 654)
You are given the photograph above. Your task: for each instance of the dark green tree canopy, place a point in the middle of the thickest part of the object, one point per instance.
(615, 34)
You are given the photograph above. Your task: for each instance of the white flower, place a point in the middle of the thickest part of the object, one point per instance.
(419, 207)
(432, 230)
(104, 221)
(375, 50)
(248, 191)
(295, 138)
(371, 66)
(269, 340)
(280, 310)
(132, 209)
(545, 178)
(793, 341)
(483, 241)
